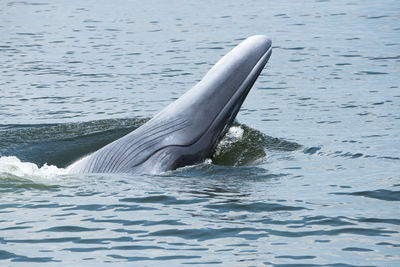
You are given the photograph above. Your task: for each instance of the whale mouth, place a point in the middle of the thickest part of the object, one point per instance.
(225, 117)
(203, 123)
(234, 104)
(203, 143)
(188, 130)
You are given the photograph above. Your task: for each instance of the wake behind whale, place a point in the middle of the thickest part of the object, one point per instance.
(188, 130)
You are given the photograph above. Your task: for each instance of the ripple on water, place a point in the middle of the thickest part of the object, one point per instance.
(5, 255)
(251, 207)
(313, 181)
(381, 194)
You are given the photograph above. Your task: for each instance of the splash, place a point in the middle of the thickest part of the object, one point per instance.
(63, 143)
(235, 132)
(239, 147)
(245, 146)
(13, 167)
(25, 147)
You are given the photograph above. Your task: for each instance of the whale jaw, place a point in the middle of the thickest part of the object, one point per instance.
(188, 130)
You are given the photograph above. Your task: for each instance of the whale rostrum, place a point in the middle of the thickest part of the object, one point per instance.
(188, 130)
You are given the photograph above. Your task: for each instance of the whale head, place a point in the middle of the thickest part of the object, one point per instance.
(188, 130)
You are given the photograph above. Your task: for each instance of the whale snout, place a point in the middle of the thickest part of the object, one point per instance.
(188, 130)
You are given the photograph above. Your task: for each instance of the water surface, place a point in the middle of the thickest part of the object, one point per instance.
(309, 177)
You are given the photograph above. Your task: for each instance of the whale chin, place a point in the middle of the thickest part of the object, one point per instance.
(188, 130)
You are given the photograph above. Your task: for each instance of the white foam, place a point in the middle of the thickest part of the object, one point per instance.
(235, 132)
(14, 166)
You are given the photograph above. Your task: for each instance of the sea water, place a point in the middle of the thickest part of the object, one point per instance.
(308, 176)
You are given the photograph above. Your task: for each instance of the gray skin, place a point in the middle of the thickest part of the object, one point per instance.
(188, 130)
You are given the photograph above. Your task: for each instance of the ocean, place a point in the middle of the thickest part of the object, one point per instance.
(309, 175)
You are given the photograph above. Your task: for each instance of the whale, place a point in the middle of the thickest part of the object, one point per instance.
(187, 131)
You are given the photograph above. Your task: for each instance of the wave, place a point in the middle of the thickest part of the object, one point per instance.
(12, 167)
(23, 148)
(244, 146)
(61, 144)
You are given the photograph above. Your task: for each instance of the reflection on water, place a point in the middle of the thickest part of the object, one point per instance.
(309, 177)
